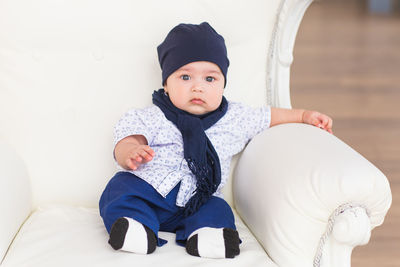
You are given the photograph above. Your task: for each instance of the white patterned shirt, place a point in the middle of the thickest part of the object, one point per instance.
(169, 167)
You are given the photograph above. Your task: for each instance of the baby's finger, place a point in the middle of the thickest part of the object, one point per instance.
(145, 155)
(149, 150)
(330, 123)
(131, 164)
(324, 120)
(315, 121)
(319, 123)
(138, 157)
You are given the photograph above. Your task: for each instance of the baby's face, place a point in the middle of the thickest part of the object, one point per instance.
(196, 87)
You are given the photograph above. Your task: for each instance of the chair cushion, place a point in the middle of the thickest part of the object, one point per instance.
(70, 69)
(75, 236)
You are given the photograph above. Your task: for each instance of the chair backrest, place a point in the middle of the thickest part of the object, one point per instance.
(70, 69)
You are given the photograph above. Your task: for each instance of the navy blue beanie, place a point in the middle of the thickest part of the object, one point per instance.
(188, 43)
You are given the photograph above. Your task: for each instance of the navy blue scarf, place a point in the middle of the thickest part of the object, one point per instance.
(199, 152)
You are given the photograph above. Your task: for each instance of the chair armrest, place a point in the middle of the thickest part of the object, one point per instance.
(15, 196)
(289, 181)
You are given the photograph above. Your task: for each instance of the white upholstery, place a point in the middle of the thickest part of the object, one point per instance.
(306, 173)
(15, 196)
(69, 236)
(70, 68)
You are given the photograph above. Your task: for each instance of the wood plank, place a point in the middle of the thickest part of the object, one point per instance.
(347, 64)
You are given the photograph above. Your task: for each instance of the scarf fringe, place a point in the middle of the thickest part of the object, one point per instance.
(204, 189)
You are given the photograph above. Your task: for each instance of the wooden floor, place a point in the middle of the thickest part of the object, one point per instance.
(347, 64)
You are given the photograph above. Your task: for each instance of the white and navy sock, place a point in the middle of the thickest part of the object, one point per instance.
(129, 235)
(213, 243)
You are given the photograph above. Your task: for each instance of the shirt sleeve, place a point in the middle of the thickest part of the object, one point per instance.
(251, 121)
(137, 122)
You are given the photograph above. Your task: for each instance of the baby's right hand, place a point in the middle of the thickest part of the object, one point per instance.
(138, 155)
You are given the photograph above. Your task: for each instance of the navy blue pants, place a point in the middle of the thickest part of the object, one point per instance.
(126, 195)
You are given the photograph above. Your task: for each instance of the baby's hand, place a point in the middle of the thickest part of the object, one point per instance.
(138, 155)
(318, 119)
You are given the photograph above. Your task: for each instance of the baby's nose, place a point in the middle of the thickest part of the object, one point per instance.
(198, 87)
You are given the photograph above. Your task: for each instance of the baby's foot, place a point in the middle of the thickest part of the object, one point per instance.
(129, 235)
(213, 243)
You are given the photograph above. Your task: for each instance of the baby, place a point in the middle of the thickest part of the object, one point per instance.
(175, 155)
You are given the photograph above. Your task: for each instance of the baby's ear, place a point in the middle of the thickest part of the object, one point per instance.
(165, 88)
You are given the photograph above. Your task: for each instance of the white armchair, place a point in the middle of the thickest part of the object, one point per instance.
(69, 69)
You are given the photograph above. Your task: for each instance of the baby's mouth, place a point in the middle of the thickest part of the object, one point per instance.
(197, 101)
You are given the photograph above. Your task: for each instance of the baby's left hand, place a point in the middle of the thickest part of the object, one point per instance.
(318, 119)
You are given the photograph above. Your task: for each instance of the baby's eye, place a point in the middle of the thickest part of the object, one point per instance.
(210, 79)
(185, 77)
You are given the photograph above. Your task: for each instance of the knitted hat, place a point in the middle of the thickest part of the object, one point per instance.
(188, 43)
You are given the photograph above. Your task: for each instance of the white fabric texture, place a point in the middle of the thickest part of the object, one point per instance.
(298, 188)
(15, 195)
(169, 167)
(70, 69)
(67, 236)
